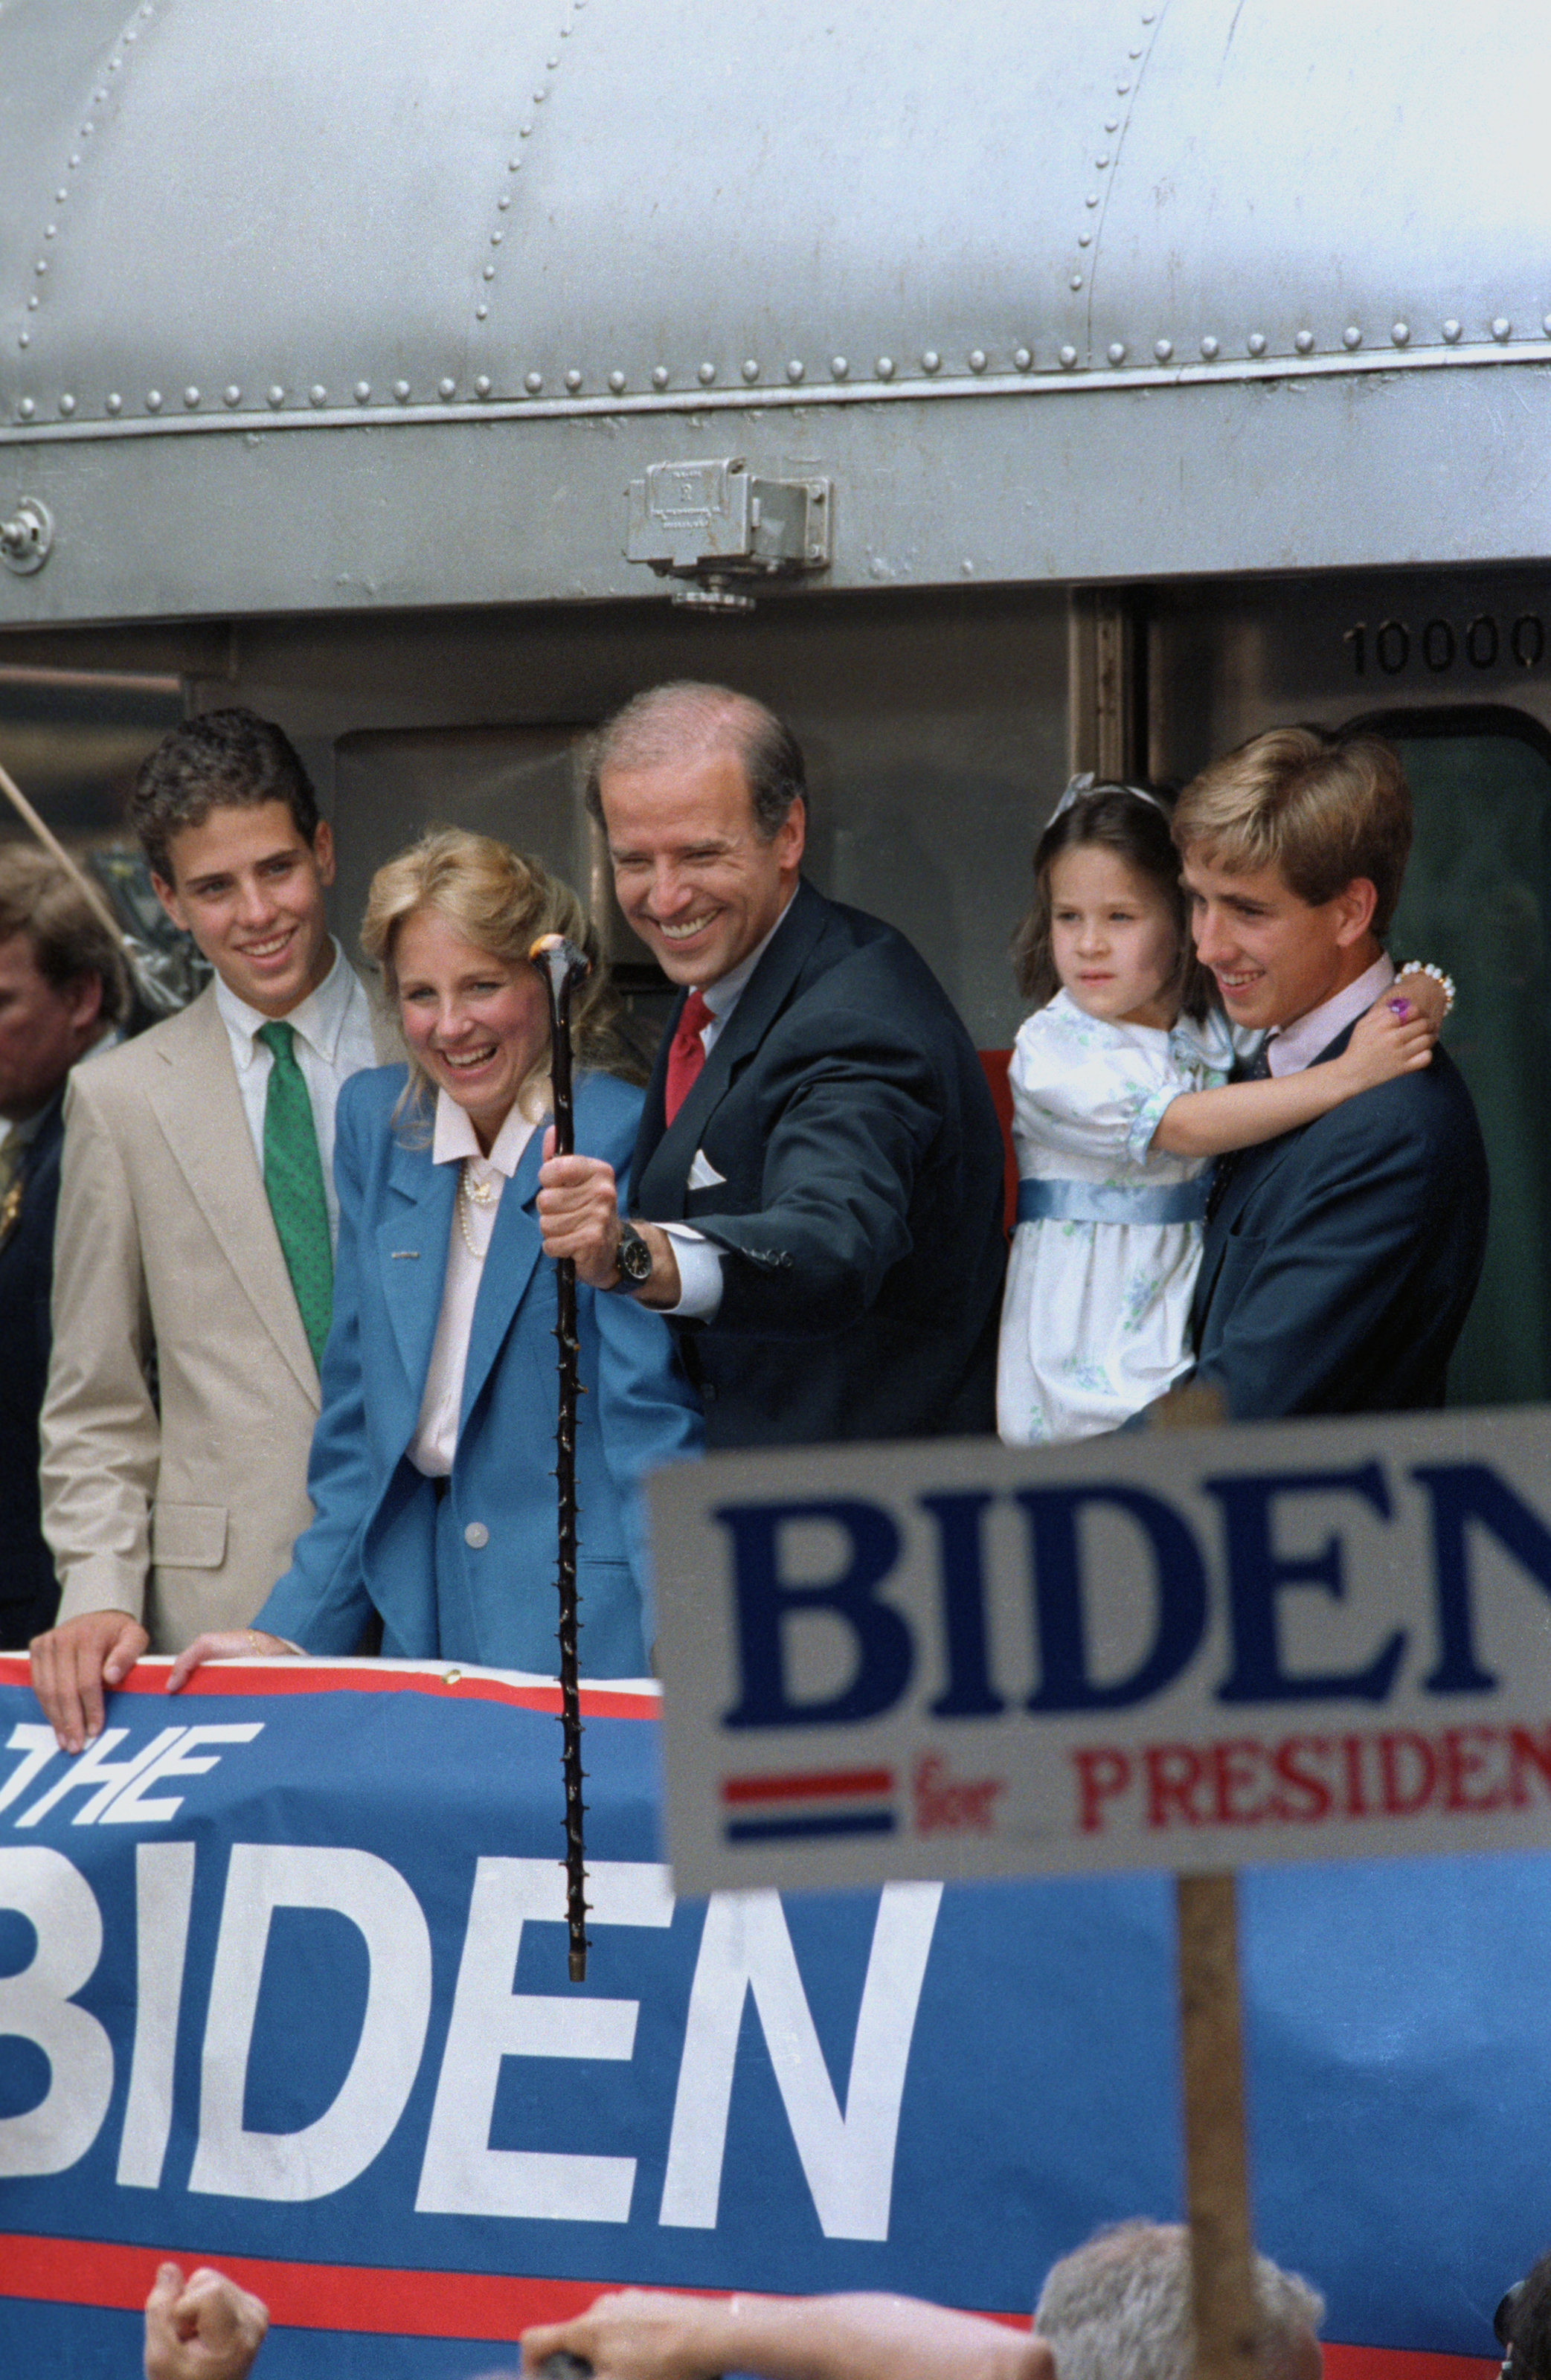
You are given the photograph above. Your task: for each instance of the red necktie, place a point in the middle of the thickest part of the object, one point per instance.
(686, 1054)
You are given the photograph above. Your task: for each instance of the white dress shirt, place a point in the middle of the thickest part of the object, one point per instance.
(333, 1040)
(1291, 1048)
(455, 1142)
(700, 1263)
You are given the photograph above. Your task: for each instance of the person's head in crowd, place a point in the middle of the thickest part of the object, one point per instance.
(62, 979)
(1293, 849)
(450, 923)
(1109, 923)
(703, 795)
(238, 856)
(1119, 2308)
(1523, 2323)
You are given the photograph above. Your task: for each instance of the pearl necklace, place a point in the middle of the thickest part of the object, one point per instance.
(471, 1194)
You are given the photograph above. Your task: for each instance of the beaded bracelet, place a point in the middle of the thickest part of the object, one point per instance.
(1445, 982)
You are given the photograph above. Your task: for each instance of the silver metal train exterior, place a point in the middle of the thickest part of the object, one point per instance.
(994, 388)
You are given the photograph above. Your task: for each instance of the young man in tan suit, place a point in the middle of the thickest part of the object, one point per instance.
(194, 1259)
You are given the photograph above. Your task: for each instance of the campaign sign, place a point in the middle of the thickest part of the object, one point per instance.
(1184, 1650)
(283, 1989)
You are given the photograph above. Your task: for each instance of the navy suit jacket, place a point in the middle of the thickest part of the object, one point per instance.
(29, 1589)
(860, 1199)
(374, 1539)
(1341, 1260)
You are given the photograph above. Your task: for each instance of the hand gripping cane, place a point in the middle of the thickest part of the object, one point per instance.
(562, 967)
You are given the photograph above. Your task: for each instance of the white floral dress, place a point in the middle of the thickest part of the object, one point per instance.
(1095, 1319)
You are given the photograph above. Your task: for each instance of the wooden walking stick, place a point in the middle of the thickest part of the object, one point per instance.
(562, 967)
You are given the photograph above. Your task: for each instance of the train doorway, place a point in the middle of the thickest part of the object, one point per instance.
(1477, 901)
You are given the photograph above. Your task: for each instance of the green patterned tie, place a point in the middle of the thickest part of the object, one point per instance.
(293, 1178)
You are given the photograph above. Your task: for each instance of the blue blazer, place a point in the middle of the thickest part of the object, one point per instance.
(377, 1531)
(1340, 1261)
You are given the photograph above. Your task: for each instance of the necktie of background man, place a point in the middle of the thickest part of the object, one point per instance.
(293, 1181)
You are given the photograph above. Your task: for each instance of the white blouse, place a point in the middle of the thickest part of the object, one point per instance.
(1095, 1316)
(455, 1142)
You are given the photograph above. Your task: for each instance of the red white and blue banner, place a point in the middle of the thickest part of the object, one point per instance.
(283, 1987)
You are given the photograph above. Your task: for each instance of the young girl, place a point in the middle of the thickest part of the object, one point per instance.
(1119, 1104)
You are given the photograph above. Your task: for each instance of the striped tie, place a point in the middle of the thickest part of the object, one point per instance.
(293, 1180)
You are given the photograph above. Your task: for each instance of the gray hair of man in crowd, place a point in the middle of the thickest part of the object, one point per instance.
(1119, 2308)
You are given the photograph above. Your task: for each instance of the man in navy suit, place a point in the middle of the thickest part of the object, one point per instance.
(818, 1174)
(1339, 1260)
(62, 990)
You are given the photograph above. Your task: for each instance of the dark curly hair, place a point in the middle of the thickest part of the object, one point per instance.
(1133, 824)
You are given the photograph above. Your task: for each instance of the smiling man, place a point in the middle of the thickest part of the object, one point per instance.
(193, 1257)
(1339, 1260)
(817, 1181)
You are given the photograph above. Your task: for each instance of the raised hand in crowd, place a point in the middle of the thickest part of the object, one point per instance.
(201, 2329)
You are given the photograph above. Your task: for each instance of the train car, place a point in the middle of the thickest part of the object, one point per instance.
(995, 392)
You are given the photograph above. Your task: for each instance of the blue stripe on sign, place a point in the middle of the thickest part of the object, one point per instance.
(837, 1822)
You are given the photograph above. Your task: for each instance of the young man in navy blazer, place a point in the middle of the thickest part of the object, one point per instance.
(1339, 1260)
(818, 1175)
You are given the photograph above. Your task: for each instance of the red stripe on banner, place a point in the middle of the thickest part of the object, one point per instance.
(304, 2297)
(148, 1675)
(1403, 2363)
(320, 2297)
(465, 2306)
(811, 1788)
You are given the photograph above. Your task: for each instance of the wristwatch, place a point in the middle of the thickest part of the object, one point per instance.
(632, 1258)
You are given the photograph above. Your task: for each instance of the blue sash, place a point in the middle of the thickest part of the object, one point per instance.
(1096, 1202)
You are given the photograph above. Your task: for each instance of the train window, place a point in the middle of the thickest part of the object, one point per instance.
(1477, 900)
(517, 783)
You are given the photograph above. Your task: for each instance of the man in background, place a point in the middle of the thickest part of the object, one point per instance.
(195, 1221)
(63, 992)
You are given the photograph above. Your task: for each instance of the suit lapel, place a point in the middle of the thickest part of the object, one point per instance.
(649, 1131)
(198, 1110)
(1253, 1169)
(411, 1254)
(664, 1178)
(515, 1247)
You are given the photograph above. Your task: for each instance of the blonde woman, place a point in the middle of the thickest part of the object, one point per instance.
(431, 1470)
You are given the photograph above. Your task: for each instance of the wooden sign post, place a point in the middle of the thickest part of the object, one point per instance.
(1216, 2166)
(1223, 2300)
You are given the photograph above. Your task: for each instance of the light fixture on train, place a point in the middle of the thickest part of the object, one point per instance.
(720, 530)
(27, 538)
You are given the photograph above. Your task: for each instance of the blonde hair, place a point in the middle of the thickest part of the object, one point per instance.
(501, 901)
(1320, 808)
